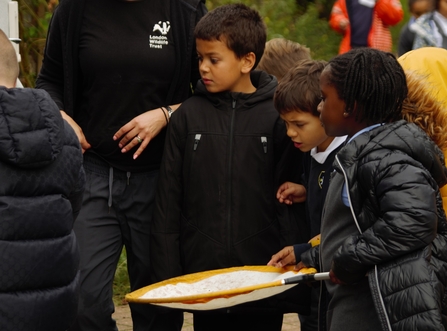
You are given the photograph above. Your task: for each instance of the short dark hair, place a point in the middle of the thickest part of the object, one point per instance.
(239, 26)
(370, 81)
(300, 88)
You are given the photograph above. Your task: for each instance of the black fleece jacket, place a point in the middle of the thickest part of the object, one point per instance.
(62, 77)
(60, 74)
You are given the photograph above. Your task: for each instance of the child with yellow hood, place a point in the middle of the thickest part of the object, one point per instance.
(426, 103)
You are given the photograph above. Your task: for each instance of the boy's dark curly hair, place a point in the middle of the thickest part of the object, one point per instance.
(240, 27)
(371, 82)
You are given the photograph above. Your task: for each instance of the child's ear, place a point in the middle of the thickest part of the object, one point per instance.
(248, 62)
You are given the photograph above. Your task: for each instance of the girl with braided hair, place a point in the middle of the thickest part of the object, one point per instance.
(383, 226)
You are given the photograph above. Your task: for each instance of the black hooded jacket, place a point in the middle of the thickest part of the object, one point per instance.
(42, 182)
(215, 204)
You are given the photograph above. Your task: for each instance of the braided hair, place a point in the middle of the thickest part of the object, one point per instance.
(371, 82)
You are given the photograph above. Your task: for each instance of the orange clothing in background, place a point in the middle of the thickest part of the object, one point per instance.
(386, 13)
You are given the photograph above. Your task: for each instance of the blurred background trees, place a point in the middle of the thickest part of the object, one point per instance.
(34, 17)
(303, 21)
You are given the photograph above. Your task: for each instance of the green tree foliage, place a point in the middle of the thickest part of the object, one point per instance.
(34, 17)
(297, 20)
(303, 21)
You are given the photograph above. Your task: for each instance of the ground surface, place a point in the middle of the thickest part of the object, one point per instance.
(124, 322)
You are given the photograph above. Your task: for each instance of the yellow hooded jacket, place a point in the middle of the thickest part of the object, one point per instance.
(426, 70)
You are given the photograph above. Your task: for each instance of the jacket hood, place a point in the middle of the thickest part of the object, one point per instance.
(431, 64)
(403, 137)
(264, 83)
(30, 128)
(426, 103)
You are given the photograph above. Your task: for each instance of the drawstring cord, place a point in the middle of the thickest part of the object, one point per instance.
(111, 185)
(110, 188)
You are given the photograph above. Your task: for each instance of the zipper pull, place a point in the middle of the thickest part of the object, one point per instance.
(196, 140)
(264, 144)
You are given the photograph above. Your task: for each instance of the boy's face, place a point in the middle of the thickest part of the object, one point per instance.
(220, 69)
(443, 7)
(420, 7)
(306, 131)
(331, 108)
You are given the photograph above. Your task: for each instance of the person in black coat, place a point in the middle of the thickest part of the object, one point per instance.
(42, 184)
(383, 230)
(118, 70)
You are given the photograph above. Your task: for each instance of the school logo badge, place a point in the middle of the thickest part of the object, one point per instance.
(157, 41)
(321, 179)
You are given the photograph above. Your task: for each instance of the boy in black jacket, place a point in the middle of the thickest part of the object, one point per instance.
(216, 203)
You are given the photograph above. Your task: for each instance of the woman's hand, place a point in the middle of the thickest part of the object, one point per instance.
(77, 129)
(140, 131)
(289, 193)
(283, 257)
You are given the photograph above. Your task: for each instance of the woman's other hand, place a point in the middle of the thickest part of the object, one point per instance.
(141, 130)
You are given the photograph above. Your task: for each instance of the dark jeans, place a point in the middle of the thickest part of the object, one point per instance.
(116, 212)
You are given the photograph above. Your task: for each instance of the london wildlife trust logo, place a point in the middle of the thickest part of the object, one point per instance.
(159, 41)
(163, 27)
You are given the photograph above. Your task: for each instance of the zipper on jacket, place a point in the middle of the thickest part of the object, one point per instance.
(229, 188)
(196, 140)
(371, 274)
(264, 144)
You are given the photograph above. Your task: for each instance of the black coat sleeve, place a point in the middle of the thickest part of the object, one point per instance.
(406, 221)
(165, 227)
(51, 75)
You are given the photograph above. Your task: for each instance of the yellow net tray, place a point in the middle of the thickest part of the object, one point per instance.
(221, 288)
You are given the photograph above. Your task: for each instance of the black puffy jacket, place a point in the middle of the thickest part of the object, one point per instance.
(401, 243)
(42, 181)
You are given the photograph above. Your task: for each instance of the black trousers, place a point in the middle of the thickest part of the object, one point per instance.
(116, 212)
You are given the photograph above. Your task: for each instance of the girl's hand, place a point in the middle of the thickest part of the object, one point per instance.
(334, 278)
(290, 193)
(140, 131)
